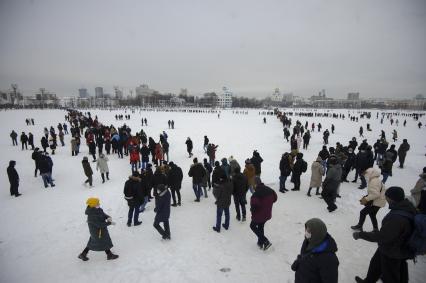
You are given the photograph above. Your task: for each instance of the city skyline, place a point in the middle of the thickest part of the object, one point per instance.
(375, 48)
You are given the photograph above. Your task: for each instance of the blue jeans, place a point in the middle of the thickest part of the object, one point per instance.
(282, 182)
(219, 212)
(134, 167)
(363, 181)
(144, 164)
(324, 165)
(385, 177)
(47, 179)
(142, 207)
(133, 211)
(197, 190)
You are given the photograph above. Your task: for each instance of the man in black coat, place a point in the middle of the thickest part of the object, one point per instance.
(222, 192)
(402, 152)
(240, 185)
(24, 141)
(389, 260)
(131, 194)
(162, 210)
(362, 163)
(197, 173)
(256, 160)
(13, 179)
(189, 146)
(285, 171)
(36, 157)
(299, 167)
(175, 178)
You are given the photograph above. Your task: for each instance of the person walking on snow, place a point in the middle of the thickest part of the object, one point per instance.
(261, 203)
(102, 166)
(13, 176)
(87, 170)
(98, 222)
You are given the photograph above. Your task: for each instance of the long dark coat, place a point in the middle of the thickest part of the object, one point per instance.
(99, 237)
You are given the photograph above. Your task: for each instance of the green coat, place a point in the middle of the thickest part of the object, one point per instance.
(99, 237)
(87, 169)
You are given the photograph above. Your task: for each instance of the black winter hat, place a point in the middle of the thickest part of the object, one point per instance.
(12, 163)
(135, 174)
(299, 155)
(395, 193)
(424, 169)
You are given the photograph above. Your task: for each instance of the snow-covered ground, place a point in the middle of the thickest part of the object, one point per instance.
(44, 230)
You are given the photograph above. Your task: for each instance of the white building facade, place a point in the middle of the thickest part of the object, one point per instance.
(225, 99)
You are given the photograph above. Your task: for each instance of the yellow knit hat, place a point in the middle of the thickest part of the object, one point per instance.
(92, 202)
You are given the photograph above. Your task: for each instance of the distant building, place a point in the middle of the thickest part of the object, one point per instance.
(99, 92)
(82, 93)
(143, 90)
(276, 96)
(353, 96)
(225, 99)
(118, 93)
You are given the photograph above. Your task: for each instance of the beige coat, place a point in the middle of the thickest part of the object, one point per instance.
(375, 188)
(418, 188)
(317, 173)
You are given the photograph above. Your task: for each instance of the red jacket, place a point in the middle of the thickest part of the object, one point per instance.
(134, 156)
(261, 203)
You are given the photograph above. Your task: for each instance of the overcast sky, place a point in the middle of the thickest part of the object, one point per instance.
(377, 48)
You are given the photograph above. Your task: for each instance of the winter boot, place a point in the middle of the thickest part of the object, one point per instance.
(111, 256)
(356, 227)
(107, 175)
(244, 219)
(83, 257)
(309, 192)
(317, 192)
(205, 192)
(266, 245)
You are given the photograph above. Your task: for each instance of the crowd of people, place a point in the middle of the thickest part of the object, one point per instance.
(154, 176)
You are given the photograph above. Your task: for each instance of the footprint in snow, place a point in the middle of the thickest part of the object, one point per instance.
(225, 269)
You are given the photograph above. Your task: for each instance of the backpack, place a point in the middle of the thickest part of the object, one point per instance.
(417, 241)
(304, 166)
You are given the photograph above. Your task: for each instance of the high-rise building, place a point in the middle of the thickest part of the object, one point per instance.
(99, 92)
(353, 96)
(225, 99)
(118, 93)
(143, 90)
(82, 93)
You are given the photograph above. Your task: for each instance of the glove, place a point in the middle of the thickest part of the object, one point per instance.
(356, 235)
(363, 201)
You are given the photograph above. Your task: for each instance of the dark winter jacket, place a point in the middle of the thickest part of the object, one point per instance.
(261, 203)
(362, 161)
(285, 167)
(99, 237)
(395, 231)
(256, 160)
(175, 177)
(218, 174)
(403, 148)
(240, 184)
(43, 165)
(12, 174)
(319, 264)
(298, 166)
(159, 178)
(145, 153)
(189, 145)
(162, 206)
(87, 168)
(132, 189)
(324, 154)
(223, 192)
(197, 173)
(332, 180)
